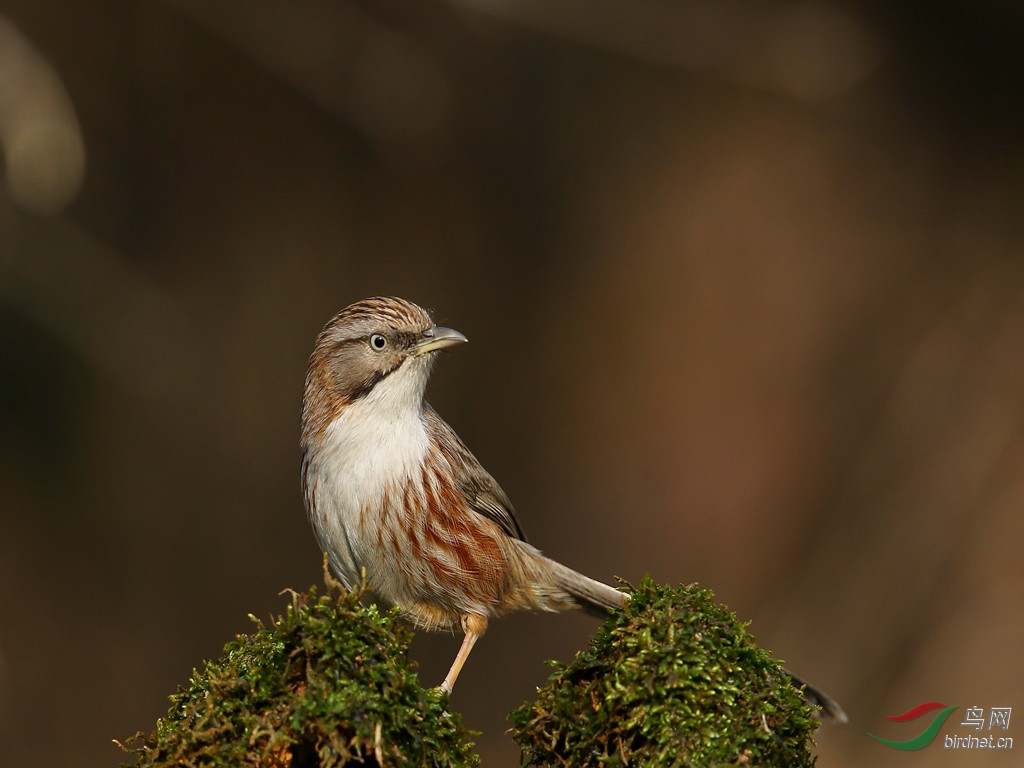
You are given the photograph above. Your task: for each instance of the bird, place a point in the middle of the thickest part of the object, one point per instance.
(398, 502)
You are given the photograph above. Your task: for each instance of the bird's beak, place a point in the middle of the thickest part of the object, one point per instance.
(439, 338)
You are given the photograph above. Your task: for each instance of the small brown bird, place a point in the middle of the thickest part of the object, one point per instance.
(390, 488)
(392, 491)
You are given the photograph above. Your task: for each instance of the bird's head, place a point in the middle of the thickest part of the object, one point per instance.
(377, 351)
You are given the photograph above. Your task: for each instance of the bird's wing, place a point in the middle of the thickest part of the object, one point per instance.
(481, 491)
(489, 500)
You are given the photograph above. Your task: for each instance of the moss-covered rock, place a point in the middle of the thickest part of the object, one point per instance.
(673, 680)
(326, 684)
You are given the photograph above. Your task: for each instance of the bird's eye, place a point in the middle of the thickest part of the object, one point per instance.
(378, 342)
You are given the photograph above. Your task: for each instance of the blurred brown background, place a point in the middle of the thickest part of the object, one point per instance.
(744, 285)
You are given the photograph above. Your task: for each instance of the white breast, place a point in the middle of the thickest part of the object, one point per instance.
(379, 440)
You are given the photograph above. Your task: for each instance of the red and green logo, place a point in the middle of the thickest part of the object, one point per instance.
(926, 736)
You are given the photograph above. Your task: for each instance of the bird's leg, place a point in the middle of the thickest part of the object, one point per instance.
(460, 659)
(474, 627)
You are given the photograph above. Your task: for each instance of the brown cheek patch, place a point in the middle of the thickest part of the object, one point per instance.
(339, 374)
(322, 404)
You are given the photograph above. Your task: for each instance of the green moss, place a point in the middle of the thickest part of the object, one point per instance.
(673, 680)
(326, 684)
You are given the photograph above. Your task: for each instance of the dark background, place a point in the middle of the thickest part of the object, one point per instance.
(743, 283)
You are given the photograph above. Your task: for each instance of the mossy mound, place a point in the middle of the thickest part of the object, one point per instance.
(326, 684)
(672, 680)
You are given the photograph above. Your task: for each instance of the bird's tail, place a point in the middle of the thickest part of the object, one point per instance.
(830, 710)
(592, 596)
